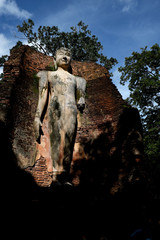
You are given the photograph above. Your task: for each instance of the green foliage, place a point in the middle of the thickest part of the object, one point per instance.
(3, 59)
(84, 46)
(142, 71)
(18, 44)
(1, 76)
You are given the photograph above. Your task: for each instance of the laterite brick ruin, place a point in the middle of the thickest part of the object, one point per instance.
(109, 137)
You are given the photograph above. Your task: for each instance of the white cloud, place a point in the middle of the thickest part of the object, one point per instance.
(1, 70)
(10, 7)
(128, 5)
(5, 45)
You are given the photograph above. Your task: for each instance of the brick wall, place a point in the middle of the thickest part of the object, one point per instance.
(107, 133)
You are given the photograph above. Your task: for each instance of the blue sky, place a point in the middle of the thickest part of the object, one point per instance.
(122, 26)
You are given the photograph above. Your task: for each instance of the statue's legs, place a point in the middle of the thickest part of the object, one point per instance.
(54, 126)
(69, 140)
(67, 137)
(62, 126)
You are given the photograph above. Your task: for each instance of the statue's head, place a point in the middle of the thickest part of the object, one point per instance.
(63, 58)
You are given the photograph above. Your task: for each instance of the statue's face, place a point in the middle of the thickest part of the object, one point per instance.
(63, 58)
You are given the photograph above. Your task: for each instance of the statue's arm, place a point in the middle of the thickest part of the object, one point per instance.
(81, 91)
(43, 93)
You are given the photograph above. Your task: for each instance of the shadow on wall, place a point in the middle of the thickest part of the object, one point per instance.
(88, 211)
(94, 171)
(129, 148)
(18, 185)
(113, 165)
(92, 209)
(104, 173)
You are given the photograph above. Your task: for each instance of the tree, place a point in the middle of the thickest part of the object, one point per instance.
(142, 71)
(3, 59)
(84, 46)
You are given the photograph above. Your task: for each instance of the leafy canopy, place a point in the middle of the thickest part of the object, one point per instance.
(142, 71)
(84, 45)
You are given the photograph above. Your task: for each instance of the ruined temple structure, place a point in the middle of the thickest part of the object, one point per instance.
(108, 149)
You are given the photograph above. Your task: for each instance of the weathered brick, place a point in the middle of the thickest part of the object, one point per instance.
(105, 122)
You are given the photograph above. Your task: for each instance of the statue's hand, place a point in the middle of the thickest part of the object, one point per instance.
(81, 104)
(37, 127)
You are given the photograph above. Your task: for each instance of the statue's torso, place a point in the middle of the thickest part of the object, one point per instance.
(62, 89)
